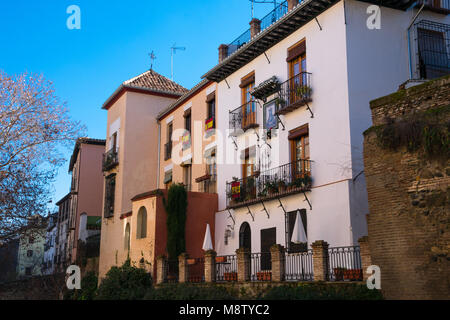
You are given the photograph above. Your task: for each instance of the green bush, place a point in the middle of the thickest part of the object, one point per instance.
(88, 288)
(124, 283)
(322, 291)
(189, 292)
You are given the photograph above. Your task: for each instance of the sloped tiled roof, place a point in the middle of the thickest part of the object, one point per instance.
(148, 82)
(154, 81)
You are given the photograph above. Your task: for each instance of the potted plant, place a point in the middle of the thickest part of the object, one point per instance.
(281, 103)
(282, 186)
(272, 186)
(304, 91)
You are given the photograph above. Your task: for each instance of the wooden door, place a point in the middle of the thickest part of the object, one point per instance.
(268, 239)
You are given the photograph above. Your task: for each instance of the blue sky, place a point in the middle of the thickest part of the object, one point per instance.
(86, 66)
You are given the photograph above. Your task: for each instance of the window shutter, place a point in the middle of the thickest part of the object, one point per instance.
(296, 51)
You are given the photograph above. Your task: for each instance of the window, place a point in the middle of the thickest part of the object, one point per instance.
(168, 178)
(114, 142)
(299, 140)
(433, 55)
(187, 176)
(110, 189)
(30, 239)
(29, 253)
(248, 103)
(127, 237)
(297, 71)
(141, 231)
(187, 120)
(168, 145)
(28, 271)
(212, 112)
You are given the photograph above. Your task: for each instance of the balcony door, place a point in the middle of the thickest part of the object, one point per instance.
(300, 154)
(248, 106)
(297, 67)
(249, 183)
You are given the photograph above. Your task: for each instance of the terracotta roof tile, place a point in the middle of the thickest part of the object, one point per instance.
(154, 81)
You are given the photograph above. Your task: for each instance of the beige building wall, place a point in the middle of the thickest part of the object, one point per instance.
(133, 116)
(199, 112)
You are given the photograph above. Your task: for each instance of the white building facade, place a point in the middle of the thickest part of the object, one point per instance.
(48, 266)
(309, 77)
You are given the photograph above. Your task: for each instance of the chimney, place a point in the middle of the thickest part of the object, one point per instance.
(223, 52)
(255, 27)
(292, 4)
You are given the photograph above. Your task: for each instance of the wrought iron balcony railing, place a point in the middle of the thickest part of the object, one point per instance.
(287, 179)
(168, 151)
(294, 93)
(244, 117)
(110, 159)
(275, 15)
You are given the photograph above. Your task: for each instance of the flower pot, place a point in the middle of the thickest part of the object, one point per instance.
(221, 259)
(339, 273)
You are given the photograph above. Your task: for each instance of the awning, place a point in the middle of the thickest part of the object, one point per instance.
(210, 152)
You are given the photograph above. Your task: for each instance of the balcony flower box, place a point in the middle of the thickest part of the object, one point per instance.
(190, 261)
(230, 276)
(264, 276)
(353, 274)
(221, 259)
(339, 273)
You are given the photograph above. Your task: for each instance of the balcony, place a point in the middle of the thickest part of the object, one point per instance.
(291, 178)
(294, 93)
(110, 159)
(266, 22)
(439, 6)
(245, 117)
(168, 151)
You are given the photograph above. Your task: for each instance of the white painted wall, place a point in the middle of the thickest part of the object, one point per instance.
(350, 65)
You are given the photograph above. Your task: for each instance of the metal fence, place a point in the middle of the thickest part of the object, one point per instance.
(226, 268)
(344, 264)
(294, 92)
(432, 42)
(272, 17)
(171, 271)
(286, 179)
(260, 266)
(244, 117)
(196, 270)
(299, 266)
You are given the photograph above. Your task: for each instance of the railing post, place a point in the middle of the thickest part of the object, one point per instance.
(210, 266)
(183, 269)
(320, 260)
(366, 259)
(161, 269)
(243, 264)
(278, 257)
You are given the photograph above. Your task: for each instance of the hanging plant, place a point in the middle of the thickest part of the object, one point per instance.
(176, 207)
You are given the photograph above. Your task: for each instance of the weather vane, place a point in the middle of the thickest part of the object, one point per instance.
(153, 58)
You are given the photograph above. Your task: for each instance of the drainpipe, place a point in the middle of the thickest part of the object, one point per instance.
(409, 38)
(159, 154)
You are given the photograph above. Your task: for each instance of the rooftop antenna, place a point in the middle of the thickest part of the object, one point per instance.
(153, 58)
(173, 50)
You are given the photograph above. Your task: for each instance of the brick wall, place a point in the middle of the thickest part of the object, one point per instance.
(409, 196)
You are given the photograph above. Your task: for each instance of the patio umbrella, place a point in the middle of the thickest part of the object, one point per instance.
(299, 235)
(207, 242)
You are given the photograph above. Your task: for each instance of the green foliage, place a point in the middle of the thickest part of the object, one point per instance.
(88, 288)
(322, 291)
(124, 283)
(189, 292)
(176, 207)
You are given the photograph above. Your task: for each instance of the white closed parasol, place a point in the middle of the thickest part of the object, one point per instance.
(299, 234)
(207, 242)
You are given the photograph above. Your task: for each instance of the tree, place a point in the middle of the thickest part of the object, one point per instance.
(34, 128)
(176, 206)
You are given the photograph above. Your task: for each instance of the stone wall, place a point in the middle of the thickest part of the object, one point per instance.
(49, 287)
(409, 201)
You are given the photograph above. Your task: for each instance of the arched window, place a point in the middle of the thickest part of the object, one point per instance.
(127, 237)
(245, 236)
(141, 231)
